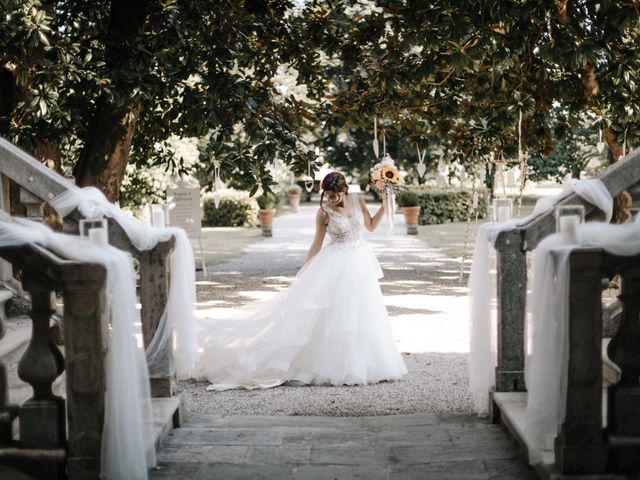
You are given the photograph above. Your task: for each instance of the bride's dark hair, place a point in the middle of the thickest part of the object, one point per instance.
(334, 182)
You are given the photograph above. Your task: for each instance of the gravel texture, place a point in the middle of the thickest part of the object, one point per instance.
(422, 286)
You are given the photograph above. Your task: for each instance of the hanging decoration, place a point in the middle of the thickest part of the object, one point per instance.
(600, 144)
(467, 229)
(421, 168)
(308, 180)
(441, 178)
(384, 143)
(376, 145)
(217, 184)
(624, 143)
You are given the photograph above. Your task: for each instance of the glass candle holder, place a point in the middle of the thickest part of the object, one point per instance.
(502, 209)
(95, 230)
(568, 217)
(158, 215)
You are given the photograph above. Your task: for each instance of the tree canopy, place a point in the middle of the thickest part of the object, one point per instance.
(102, 85)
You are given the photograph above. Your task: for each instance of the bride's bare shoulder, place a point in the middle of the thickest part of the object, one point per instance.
(322, 214)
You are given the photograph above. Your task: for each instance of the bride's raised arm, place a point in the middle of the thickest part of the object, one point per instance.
(371, 223)
(322, 218)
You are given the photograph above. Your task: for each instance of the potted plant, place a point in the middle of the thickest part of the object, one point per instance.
(409, 203)
(266, 203)
(293, 194)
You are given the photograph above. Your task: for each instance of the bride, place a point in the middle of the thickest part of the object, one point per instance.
(329, 327)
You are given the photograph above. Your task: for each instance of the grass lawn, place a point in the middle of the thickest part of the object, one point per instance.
(450, 237)
(224, 243)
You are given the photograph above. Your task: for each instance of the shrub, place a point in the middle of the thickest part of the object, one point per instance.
(408, 198)
(266, 201)
(448, 205)
(236, 209)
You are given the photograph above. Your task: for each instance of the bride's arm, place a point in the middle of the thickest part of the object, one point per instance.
(371, 223)
(322, 218)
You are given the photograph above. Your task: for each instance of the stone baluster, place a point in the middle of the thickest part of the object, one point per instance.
(154, 291)
(511, 297)
(624, 397)
(7, 413)
(580, 446)
(86, 323)
(42, 417)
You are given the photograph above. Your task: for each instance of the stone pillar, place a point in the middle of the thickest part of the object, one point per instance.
(7, 413)
(154, 292)
(86, 322)
(580, 447)
(624, 397)
(511, 296)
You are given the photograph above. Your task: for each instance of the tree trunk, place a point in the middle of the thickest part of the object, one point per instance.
(615, 148)
(110, 132)
(105, 155)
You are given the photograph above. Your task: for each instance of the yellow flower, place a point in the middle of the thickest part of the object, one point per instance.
(390, 174)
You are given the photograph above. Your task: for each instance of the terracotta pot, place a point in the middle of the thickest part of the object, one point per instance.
(294, 201)
(266, 221)
(411, 215)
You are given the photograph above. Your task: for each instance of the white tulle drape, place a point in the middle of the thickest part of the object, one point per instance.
(483, 328)
(128, 436)
(178, 318)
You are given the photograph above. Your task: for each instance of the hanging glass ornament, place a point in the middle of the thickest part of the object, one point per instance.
(376, 146)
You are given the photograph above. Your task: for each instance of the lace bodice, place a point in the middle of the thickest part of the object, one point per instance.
(343, 230)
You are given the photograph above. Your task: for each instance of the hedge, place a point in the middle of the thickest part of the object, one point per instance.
(448, 205)
(236, 209)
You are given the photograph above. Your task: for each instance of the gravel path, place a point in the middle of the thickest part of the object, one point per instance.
(426, 302)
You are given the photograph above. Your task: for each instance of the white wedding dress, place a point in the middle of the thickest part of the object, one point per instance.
(329, 327)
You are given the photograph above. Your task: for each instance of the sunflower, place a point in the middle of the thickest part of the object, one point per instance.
(390, 174)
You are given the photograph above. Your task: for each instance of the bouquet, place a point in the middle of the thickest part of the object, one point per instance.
(386, 180)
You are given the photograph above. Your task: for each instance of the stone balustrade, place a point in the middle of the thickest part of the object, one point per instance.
(58, 437)
(591, 443)
(512, 247)
(38, 184)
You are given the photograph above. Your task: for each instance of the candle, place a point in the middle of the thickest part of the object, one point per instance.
(158, 219)
(98, 236)
(504, 214)
(568, 225)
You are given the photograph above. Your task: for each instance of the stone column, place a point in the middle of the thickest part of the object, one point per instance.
(511, 296)
(154, 292)
(86, 321)
(580, 447)
(624, 397)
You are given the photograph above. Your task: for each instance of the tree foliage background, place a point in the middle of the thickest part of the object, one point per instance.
(96, 86)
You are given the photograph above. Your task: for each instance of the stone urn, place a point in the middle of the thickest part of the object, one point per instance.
(411, 215)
